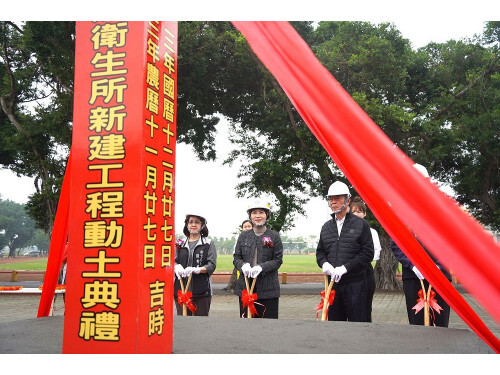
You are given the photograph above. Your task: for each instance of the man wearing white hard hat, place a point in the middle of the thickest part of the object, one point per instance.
(344, 249)
(258, 254)
(411, 276)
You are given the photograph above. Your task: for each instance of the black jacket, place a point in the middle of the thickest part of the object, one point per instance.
(201, 284)
(407, 265)
(353, 249)
(269, 258)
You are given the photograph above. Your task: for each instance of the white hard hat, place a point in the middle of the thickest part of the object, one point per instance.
(338, 188)
(421, 169)
(262, 205)
(197, 215)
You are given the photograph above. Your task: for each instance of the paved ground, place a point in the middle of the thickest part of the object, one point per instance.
(297, 302)
(297, 320)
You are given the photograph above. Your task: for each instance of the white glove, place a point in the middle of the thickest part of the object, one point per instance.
(196, 270)
(417, 272)
(338, 272)
(188, 271)
(246, 269)
(179, 270)
(327, 269)
(255, 271)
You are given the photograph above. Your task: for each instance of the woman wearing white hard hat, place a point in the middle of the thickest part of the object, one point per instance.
(195, 255)
(259, 254)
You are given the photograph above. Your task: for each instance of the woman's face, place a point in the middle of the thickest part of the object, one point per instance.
(194, 225)
(246, 226)
(358, 212)
(258, 216)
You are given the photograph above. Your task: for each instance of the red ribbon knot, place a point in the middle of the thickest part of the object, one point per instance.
(248, 299)
(320, 305)
(433, 305)
(185, 299)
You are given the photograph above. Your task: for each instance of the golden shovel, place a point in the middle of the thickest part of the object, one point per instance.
(184, 290)
(250, 291)
(328, 289)
(426, 303)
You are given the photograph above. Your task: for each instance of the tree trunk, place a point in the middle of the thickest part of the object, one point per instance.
(385, 270)
(232, 282)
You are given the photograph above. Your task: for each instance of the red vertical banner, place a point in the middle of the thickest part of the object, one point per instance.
(119, 296)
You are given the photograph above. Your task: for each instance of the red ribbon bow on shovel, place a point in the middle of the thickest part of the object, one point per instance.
(185, 299)
(248, 299)
(431, 301)
(322, 302)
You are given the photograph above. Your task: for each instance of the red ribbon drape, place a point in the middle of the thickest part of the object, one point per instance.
(185, 299)
(57, 245)
(399, 197)
(248, 299)
(320, 305)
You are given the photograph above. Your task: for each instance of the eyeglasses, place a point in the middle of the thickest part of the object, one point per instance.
(335, 197)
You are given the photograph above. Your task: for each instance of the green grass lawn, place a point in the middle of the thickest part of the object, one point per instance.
(291, 263)
(32, 265)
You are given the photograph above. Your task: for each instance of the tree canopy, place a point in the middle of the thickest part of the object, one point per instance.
(439, 104)
(16, 227)
(36, 96)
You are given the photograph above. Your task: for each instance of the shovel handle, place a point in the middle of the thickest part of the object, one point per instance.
(328, 290)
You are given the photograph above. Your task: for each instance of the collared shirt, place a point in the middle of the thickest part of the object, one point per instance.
(340, 223)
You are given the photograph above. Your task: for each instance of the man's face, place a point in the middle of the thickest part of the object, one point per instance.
(336, 201)
(258, 216)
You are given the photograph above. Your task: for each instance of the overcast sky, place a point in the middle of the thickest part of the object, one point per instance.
(216, 199)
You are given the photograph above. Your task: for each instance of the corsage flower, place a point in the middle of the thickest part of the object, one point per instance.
(179, 243)
(266, 242)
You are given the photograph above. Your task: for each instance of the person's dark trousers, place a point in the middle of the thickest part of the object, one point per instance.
(266, 308)
(349, 303)
(411, 288)
(370, 291)
(202, 306)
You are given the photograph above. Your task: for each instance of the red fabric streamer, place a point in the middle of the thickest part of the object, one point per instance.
(320, 305)
(398, 195)
(248, 299)
(57, 246)
(185, 299)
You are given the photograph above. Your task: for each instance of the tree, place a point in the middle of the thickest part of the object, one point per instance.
(280, 156)
(438, 104)
(36, 96)
(41, 240)
(456, 128)
(16, 227)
